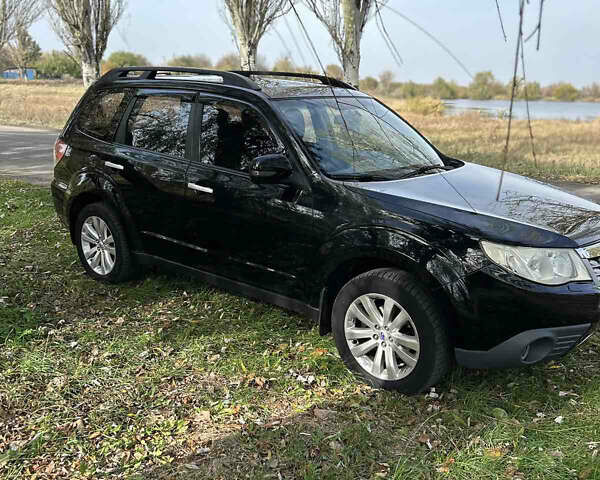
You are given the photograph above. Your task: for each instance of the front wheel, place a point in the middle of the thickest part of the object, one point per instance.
(389, 331)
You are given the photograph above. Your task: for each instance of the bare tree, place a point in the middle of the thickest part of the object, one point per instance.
(345, 21)
(84, 27)
(23, 51)
(249, 21)
(15, 16)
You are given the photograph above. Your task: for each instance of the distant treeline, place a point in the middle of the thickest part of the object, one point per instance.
(483, 87)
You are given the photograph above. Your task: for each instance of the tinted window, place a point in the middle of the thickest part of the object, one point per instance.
(159, 123)
(101, 114)
(356, 135)
(233, 135)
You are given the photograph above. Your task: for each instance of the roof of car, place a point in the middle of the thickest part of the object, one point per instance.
(272, 84)
(287, 88)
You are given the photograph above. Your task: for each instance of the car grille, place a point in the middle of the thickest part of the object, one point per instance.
(566, 339)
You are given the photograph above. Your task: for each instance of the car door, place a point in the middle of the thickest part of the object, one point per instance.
(257, 234)
(150, 166)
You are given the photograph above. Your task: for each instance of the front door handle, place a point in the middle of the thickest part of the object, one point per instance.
(200, 188)
(116, 166)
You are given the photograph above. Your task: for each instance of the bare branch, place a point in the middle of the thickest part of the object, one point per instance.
(501, 22)
(345, 21)
(84, 27)
(249, 20)
(430, 35)
(17, 15)
(512, 95)
(386, 36)
(527, 103)
(538, 27)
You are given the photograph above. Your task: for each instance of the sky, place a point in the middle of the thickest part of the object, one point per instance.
(569, 50)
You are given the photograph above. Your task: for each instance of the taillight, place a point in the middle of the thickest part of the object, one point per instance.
(60, 148)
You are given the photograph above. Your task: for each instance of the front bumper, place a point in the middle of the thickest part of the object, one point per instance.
(526, 348)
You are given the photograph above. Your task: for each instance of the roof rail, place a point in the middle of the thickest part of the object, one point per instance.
(150, 73)
(332, 82)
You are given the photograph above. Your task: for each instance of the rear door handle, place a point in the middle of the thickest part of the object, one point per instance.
(200, 188)
(116, 166)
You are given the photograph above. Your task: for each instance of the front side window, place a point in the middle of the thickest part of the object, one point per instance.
(102, 112)
(159, 123)
(233, 135)
(356, 136)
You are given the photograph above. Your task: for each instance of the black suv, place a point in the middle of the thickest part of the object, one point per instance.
(301, 191)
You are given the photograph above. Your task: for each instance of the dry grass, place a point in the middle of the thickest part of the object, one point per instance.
(38, 103)
(566, 150)
(419, 105)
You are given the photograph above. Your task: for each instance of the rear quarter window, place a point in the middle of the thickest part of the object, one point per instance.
(102, 112)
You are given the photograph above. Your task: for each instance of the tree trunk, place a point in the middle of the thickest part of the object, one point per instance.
(90, 70)
(351, 48)
(351, 66)
(247, 56)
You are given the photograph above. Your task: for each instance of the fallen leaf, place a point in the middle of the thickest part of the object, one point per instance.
(202, 416)
(322, 414)
(499, 413)
(493, 452)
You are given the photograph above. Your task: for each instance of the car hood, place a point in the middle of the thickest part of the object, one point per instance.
(527, 212)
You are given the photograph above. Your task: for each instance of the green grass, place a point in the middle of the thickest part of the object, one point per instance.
(166, 377)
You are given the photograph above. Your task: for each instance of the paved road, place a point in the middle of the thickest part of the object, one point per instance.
(26, 154)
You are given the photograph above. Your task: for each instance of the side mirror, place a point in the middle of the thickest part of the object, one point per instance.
(270, 168)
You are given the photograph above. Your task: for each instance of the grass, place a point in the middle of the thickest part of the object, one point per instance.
(38, 103)
(166, 377)
(566, 150)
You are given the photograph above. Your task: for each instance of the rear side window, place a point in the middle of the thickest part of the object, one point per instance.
(159, 123)
(101, 114)
(233, 135)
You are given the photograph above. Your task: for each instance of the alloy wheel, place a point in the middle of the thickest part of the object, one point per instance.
(381, 336)
(98, 245)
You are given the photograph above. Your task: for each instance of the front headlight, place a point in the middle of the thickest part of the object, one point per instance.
(550, 266)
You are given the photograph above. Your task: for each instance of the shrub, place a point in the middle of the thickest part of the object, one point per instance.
(369, 83)
(565, 92)
(124, 59)
(485, 87)
(57, 64)
(190, 61)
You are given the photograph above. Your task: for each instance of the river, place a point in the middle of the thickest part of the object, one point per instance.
(539, 109)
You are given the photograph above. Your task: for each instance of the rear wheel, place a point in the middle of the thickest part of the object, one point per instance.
(102, 244)
(389, 331)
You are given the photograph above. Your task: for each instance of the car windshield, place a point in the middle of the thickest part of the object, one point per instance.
(358, 137)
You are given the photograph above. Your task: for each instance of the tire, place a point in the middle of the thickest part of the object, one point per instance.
(100, 238)
(413, 353)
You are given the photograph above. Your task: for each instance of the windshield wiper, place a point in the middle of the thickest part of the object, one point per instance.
(364, 177)
(425, 169)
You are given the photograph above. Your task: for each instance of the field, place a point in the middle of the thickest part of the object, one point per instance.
(165, 377)
(566, 150)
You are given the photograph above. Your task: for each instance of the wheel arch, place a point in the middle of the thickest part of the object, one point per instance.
(92, 189)
(429, 268)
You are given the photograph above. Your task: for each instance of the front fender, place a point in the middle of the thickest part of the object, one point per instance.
(441, 264)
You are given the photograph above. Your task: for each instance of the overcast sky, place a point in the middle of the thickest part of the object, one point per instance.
(570, 47)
